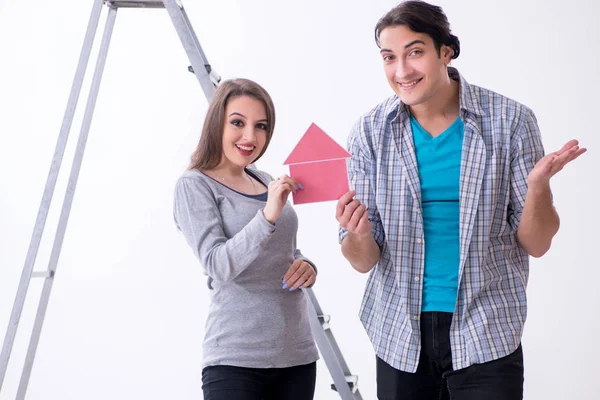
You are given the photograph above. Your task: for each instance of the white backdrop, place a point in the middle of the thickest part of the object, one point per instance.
(126, 316)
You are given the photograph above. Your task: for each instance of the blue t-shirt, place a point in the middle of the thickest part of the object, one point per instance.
(438, 160)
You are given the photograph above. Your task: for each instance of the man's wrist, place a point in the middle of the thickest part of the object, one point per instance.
(360, 237)
(539, 188)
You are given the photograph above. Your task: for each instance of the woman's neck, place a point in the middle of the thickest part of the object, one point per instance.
(230, 171)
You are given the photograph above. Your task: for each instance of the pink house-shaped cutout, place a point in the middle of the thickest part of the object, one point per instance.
(319, 163)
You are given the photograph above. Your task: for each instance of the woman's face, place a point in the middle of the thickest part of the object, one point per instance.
(244, 131)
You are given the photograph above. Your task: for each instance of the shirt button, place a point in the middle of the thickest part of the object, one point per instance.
(417, 278)
(419, 240)
(416, 317)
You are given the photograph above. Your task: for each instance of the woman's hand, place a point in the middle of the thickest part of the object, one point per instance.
(300, 274)
(277, 196)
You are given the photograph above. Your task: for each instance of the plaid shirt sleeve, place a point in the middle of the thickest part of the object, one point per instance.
(526, 151)
(362, 177)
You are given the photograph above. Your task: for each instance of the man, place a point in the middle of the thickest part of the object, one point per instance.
(452, 196)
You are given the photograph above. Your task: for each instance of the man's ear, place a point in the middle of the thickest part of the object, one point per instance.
(447, 53)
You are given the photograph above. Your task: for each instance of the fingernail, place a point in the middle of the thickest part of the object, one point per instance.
(301, 287)
(292, 289)
(295, 190)
(284, 286)
(300, 186)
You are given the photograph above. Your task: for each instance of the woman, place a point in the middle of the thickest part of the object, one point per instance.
(258, 343)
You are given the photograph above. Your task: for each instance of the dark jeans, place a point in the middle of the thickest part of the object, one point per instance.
(222, 382)
(500, 379)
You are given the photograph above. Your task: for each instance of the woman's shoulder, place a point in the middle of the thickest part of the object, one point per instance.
(264, 176)
(192, 175)
(194, 180)
(198, 179)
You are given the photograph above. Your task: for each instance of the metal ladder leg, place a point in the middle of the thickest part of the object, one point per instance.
(67, 203)
(344, 382)
(42, 215)
(192, 47)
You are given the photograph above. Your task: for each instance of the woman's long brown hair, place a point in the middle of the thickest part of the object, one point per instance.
(209, 151)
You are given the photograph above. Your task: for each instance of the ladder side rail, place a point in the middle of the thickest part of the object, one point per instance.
(48, 193)
(191, 46)
(330, 351)
(68, 202)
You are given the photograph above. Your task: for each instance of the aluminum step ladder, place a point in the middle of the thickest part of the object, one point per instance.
(344, 383)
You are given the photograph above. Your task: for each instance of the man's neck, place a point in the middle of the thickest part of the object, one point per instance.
(443, 105)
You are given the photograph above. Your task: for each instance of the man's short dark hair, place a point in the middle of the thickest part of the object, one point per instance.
(421, 17)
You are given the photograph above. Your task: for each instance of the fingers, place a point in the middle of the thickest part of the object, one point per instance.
(294, 184)
(343, 202)
(284, 189)
(283, 186)
(348, 220)
(292, 270)
(356, 217)
(576, 153)
(569, 145)
(364, 225)
(309, 281)
(303, 275)
(566, 157)
(280, 189)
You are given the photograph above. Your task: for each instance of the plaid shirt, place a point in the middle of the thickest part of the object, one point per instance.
(501, 145)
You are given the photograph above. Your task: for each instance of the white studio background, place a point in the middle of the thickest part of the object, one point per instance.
(126, 316)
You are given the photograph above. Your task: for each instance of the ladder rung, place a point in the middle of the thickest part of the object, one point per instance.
(324, 320)
(352, 383)
(214, 77)
(136, 3)
(42, 274)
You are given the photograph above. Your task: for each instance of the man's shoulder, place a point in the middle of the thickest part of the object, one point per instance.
(492, 103)
(387, 108)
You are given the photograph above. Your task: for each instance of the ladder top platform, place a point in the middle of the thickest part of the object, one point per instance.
(136, 3)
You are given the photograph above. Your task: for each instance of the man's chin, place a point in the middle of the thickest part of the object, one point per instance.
(409, 100)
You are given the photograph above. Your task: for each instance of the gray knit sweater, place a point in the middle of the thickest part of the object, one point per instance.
(252, 321)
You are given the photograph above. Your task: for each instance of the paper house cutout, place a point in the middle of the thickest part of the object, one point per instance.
(319, 164)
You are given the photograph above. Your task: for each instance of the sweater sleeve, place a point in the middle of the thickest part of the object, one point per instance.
(197, 216)
(299, 256)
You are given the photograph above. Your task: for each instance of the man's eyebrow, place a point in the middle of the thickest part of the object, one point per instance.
(419, 41)
(414, 42)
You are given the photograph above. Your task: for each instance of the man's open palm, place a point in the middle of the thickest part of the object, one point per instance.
(549, 165)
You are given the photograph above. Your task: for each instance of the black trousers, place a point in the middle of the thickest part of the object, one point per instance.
(224, 382)
(500, 379)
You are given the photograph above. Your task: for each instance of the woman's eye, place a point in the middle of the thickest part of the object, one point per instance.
(237, 122)
(262, 126)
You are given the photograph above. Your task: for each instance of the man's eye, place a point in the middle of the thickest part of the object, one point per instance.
(415, 52)
(387, 58)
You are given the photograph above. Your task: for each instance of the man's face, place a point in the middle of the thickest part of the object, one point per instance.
(412, 65)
